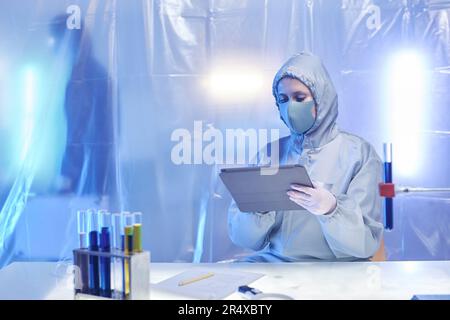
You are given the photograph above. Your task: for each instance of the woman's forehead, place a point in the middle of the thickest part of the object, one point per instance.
(289, 85)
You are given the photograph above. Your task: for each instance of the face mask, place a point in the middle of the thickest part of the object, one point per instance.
(298, 115)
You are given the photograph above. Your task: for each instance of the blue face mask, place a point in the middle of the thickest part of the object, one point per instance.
(298, 116)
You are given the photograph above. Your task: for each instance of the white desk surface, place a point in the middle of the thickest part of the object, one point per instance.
(317, 280)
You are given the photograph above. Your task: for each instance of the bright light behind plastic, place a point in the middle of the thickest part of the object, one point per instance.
(407, 86)
(39, 126)
(235, 83)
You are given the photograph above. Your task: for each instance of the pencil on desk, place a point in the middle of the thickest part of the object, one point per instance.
(204, 276)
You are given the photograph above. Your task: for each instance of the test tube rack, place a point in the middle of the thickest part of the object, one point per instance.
(139, 274)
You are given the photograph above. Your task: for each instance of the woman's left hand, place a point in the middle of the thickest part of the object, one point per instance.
(317, 200)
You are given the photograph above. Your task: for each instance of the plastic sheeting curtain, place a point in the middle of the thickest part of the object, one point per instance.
(91, 93)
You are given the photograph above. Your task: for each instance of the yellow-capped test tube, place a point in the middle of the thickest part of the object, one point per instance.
(137, 232)
(128, 248)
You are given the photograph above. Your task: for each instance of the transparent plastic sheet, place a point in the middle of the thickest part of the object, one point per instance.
(94, 131)
(60, 130)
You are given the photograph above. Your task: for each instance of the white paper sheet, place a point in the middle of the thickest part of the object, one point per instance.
(220, 285)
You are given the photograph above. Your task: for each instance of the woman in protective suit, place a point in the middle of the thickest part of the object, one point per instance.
(338, 219)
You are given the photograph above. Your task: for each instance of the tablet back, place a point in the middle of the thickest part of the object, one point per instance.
(253, 191)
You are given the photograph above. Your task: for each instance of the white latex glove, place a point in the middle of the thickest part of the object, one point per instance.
(317, 200)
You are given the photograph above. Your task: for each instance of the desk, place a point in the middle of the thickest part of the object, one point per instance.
(317, 280)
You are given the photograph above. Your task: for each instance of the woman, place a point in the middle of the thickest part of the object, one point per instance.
(338, 219)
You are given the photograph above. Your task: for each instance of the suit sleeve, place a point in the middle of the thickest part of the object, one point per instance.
(354, 228)
(251, 230)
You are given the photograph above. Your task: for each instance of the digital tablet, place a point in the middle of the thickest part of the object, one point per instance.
(253, 191)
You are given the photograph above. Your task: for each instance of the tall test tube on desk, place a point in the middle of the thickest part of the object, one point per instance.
(105, 246)
(94, 275)
(128, 249)
(137, 232)
(82, 273)
(118, 274)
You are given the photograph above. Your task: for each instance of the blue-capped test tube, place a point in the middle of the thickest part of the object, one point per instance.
(388, 202)
(105, 246)
(94, 277)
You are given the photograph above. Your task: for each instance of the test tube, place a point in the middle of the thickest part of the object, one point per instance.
(129, 226)
(118, 265)
(104, 219)
(128, 249)
(94, 278)
(137, 232)
(82, 226)
(388, 202)
(117, 230)
(82, 261)
(105, 246)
